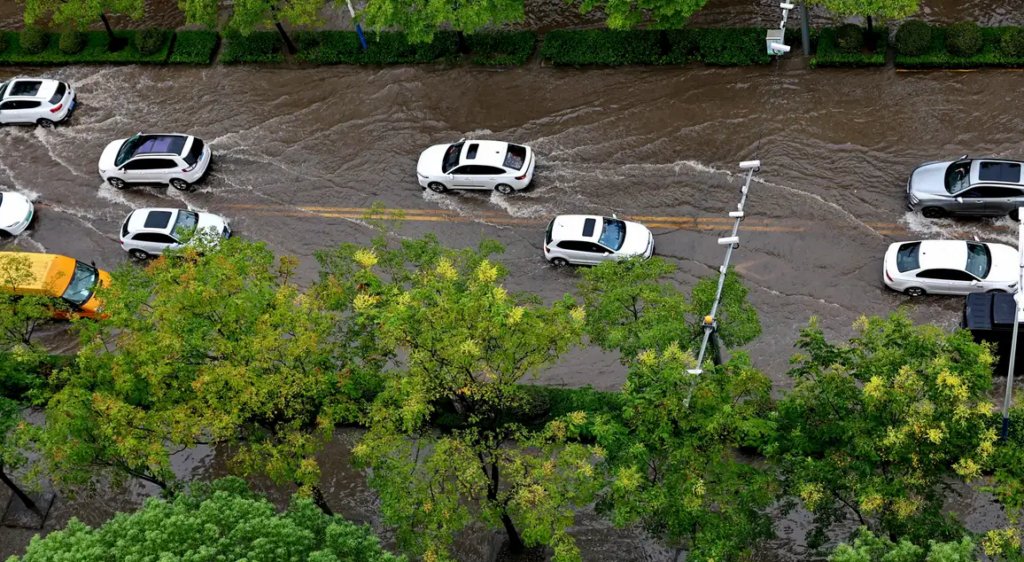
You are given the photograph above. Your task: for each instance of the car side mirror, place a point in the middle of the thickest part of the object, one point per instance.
(959, 199)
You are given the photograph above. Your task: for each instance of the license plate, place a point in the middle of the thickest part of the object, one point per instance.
(71, 105)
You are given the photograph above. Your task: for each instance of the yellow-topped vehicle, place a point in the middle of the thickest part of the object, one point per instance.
(69, 282)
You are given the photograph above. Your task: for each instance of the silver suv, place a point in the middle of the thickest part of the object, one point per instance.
(972, 187)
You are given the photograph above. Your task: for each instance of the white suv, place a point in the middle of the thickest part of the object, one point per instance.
(35, 101)
(592, 239)
(148, 232)
(178, 160)
(16, 213)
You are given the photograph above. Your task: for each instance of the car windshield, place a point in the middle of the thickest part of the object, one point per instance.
(451, 157)
(907, 257)
(3, 89)
(82, 285)
(613, 234)
(958, 176)
(979, 259)
(127, 150)
(185, 223)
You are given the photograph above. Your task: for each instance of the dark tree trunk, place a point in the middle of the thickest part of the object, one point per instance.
(284, 36)
(21, 495)
(114, 43)
(515, 543)
(321, 502)
(869, 25)
(461, 44)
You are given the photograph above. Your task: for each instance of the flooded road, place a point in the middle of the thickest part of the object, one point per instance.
(300, 154)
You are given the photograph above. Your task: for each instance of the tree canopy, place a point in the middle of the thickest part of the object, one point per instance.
(626, 14)
(421, 19)
(79, 13)
(888, 9)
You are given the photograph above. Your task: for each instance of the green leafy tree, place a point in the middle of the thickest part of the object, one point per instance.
(251, 15)
(656, 13)
(212, 345)
(420, 19)
(672, 454)
(219, 521)
(466, 345)
(1007, 485)
(868, 547)
(80, 13)
(886, 9)
(875, 429)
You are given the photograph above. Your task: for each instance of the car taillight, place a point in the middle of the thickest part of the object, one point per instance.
(887, 276)
(57, 108)
(545, 248)
(190, 168)
(521, 178)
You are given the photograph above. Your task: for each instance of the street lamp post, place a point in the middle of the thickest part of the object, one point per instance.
(1018, 308)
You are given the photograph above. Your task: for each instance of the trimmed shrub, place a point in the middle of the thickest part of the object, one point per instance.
(34, 40)
(501, 48)
(1011, 43)
(829, 54)
(71, 42)
(938, 56)
(963, 38)
(732, 46)
(149, 41)
(913, 37)
(258, 46)
(328, 47)
(602, 46)
(194, 47)
(3, 42)
(850, 38)
(394, 48)
(95, 51)
(680, 46)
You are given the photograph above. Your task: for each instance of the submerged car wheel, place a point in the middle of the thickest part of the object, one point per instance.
(437, 187)
(503, 188)
(117, 183)
(180, 184)
(933, 212)
(1014, 215)
(138, 254)
(914, 291)
(46, 123)
(559, 262)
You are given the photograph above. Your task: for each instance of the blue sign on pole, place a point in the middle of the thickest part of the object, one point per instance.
(362, 40)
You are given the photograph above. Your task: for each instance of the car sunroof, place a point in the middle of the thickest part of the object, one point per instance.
(999, 171)
(25, 88)
(588, 227)
(158, 219)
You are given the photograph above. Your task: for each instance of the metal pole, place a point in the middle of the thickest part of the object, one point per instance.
(805, 32)
(1019, 301)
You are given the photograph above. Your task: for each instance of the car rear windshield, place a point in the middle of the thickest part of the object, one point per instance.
(58, 94)
(958, 176)
(979, 259)
(613, 234)
(906, 257)
(515, 158)
(194, 153)
(1008, 172)
(451, 157)
(82, 285)
(547, 234)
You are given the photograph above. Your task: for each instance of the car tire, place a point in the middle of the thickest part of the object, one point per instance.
(914, 292)
(503, 188)
(181, 185)
(559, 262)
(1014, 215)
(138, 254)
(933, 212)
(46, 123)
(437, 187)
(117, 183)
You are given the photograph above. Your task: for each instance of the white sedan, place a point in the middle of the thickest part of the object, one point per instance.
(472, 164)
(15, 213)
(592, 239)
(950, 267)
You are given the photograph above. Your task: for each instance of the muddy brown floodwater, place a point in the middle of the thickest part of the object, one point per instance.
(300, 153)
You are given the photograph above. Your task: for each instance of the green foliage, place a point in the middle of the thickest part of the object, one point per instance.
(1011, 44)
(3, 42)
(221, 521)
(194, 47)
(672, 460)
(80, 13)
(732, 47)
(200, 12)
(34, 40)
(875, 429)
(868, 547)
(501, 48)
(420, 20)
(937, 55)
(659, 14)
(738, 322)
(248, 16)
(601, 46)
(913, 37)
(342, 47)
(256, 47)
(828, 53)
(71, 42)
(466, 344)
(964, 38)
(886, 9)
(95, 51)
(150, 41)
(328, 47)
(849, 38)
(212, 345)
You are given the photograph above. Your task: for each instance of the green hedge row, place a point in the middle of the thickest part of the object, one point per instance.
(342, 47)
(95, 50)
(194, 47)
(605, 47)
(257, 47)
(829, 54)
(938, 55)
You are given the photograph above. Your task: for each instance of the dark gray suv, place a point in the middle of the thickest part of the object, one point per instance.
(968, 186)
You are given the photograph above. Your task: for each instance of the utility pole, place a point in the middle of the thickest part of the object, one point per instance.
(1018, 308)
(805, 31)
